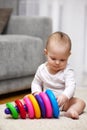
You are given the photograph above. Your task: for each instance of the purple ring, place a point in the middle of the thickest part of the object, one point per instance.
(42, 105)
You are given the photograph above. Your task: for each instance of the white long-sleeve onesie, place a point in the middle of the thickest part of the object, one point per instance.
(62, 82)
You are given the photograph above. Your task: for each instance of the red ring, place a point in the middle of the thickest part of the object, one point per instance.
(21, 108)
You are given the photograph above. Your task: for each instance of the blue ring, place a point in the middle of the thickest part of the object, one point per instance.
(54, 103)
(42, 105)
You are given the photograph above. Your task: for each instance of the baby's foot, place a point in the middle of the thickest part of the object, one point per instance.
(71, 114)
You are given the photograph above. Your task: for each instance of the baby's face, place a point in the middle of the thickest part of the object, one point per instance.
(57, 58)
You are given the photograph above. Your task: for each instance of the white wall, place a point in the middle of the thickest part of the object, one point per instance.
(69, 16)
(72, 22)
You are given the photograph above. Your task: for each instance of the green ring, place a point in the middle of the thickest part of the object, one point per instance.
(13, 110)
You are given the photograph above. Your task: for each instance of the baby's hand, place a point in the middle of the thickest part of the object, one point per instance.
(36, 93)
(62, 100)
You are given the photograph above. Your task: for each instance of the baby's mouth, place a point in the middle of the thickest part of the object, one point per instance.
(56, 67)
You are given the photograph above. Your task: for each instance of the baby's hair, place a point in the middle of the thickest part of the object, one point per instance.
(59, 36)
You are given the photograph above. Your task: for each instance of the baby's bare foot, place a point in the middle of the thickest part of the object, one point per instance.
(71, 114)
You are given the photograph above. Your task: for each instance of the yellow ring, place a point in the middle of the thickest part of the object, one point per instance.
(35, 105)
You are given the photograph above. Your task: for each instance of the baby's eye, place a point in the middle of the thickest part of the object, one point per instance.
(62, 60)
(53, 58)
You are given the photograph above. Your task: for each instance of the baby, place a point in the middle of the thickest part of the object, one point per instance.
(57, 75)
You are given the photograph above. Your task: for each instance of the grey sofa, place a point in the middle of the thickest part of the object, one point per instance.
(21, 51)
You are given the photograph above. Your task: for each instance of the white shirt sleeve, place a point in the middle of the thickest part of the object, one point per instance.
(70, 84)
(36, 83)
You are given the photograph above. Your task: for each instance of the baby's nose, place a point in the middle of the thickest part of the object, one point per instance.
(57, 61)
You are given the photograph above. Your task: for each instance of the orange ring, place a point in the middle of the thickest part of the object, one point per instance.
(35, 105)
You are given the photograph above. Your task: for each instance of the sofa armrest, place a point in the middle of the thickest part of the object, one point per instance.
(34, 26)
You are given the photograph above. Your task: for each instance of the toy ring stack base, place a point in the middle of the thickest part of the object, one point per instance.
(43, 105)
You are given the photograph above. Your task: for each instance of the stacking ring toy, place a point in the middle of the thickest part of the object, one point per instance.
(29, 107)
(42, 105)
(35, 105)
(21, 109)
(47, 104)
(54, 103)
(13, 110)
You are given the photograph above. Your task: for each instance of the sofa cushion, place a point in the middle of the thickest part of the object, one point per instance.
(4, 17)
(20, 55)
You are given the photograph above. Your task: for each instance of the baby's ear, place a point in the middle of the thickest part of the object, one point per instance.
(45, 51)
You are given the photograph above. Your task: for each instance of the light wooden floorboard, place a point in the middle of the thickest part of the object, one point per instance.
(13, 96)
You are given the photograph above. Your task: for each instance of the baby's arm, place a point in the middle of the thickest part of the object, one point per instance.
(70, 86)
(36, 85)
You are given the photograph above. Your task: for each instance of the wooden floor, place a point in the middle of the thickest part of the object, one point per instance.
(13, 96)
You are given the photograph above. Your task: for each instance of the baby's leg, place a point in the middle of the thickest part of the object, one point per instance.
(74, 107)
